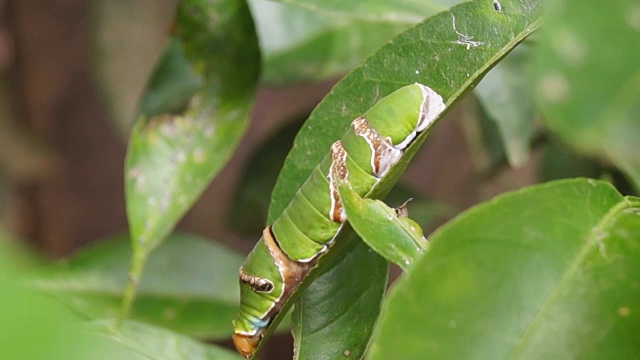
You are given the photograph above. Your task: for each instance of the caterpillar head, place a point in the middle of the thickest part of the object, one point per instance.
(246, 344)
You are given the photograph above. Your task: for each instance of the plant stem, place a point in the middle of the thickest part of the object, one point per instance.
(131, 286)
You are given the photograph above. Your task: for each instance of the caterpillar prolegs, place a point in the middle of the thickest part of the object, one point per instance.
(289, 248)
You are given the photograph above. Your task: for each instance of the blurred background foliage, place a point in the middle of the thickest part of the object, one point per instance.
(73, 73)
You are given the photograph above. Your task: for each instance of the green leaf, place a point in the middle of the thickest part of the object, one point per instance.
(173, 156)
(505, 95)
(190, 284)
(149, 342)
(558, 162)
(60, 336)
(449, 60)
(27, 315)
(333, 319)
(432, 53)
(346, 329)
(251, 200)
(407, 11)
(314, 40)
(380, 228)
(589, 85)
(547, 272)
(173, 84)
(483, 138)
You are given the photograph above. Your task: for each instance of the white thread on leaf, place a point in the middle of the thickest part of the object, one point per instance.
(463, 39)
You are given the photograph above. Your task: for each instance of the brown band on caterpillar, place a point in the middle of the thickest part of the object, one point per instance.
(383, 153)
(290, 271)
(337, 172)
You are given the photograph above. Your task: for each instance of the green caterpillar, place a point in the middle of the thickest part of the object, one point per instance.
(290, 247)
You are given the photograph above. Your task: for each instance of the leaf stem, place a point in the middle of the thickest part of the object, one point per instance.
(131, 287)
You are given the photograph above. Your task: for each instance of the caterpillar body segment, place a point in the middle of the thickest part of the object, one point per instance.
(290, 247)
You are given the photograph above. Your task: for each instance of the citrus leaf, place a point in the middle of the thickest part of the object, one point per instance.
(92, 282)
(558, 162)
(252, 196)
(380, 228)
(324, 326)
(449, 52)
(432, 53)
(314, 40)
(407, 11)
(505, 95)
(551, 271)
(28, 315)
(588, 86)
(177, 147)
(150, 342)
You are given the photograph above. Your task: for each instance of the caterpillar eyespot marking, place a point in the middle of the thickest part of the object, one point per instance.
(257, 284)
